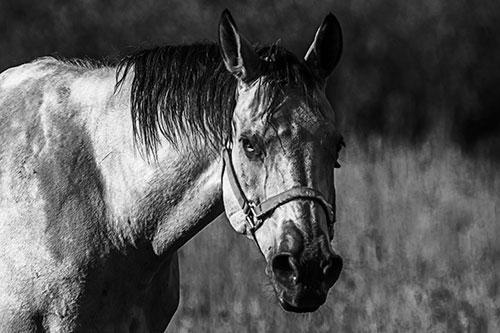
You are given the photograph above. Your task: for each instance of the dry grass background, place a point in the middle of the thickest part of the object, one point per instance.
(416, 94)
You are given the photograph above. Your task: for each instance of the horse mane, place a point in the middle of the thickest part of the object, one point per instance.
(185, 94)
(87, 63)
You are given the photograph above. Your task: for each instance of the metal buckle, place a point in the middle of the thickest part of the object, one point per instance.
(250, 224)
(252, 221)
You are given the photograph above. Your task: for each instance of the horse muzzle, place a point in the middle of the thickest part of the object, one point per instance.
(301, 275)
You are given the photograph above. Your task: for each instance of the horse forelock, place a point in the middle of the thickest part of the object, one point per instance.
(283, 74)
(185, 94)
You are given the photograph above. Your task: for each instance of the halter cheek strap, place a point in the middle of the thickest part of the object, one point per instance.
(255, 213)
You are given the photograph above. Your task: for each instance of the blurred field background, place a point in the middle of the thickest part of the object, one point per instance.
(416, 95)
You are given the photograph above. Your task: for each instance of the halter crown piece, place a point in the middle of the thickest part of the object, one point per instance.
(255, 213)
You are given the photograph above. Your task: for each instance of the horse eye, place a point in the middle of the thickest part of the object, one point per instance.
(247, 146)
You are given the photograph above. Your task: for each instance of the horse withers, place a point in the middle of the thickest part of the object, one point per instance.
(106, 171)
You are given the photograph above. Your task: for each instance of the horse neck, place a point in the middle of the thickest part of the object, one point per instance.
(192, 186)
(160, 203)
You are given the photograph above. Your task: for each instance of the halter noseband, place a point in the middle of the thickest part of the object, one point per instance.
(255, 213)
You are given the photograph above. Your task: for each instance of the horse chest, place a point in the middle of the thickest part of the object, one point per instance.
(116, 299)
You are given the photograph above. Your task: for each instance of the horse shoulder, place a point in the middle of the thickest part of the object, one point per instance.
(67, 152)
(52, 203)
(164, 296)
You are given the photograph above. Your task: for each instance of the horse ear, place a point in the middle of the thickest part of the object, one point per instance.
(326, 48)
(238, 54)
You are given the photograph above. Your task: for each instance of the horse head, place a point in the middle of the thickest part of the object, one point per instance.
(278, 183)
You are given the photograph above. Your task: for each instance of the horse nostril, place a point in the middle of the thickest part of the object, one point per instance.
(285, 269)
(332, 270)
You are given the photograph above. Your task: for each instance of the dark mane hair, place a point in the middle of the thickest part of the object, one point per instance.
(185, 93)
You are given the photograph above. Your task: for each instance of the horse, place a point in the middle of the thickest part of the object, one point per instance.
(107, 170)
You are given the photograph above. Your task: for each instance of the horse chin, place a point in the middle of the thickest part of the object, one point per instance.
(291, 308)
(299, 301)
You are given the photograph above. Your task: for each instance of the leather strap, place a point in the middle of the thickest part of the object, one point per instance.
(299, 192)
(255, 213)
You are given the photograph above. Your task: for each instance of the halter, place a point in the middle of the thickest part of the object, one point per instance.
(255, 213)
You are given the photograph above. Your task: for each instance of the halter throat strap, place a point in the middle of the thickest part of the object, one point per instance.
(256, 212)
